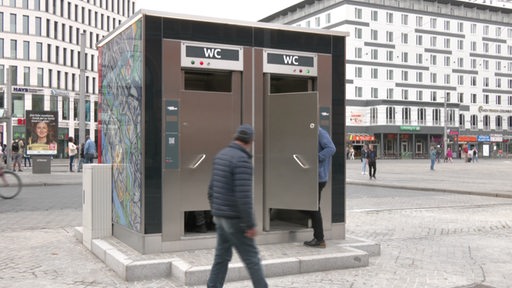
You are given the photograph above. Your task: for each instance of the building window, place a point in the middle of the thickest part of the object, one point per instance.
(26, 50)
(358, 33)
(462, 121)
(422, 116)
(446, 25)
(460, 27)
(14, 49)
(375, 93)
(390, 93)
(433, 59)
(13, 23)
(405, 94)
(419, 58)
(375, 15)
(419, 21)
(405, 38)
(358, 92)
(447, 78)
(419, 77)
(509, 122)
(451, 117)
(487, 122)
(473, 46)
(26, 76)
(419, 95)
(485, 99)
(390, 74)
(486, 30)
(65, 108)
(358, 72)
(447, 61)
(375, 54)
(447, 43)
(474, 122)
(374, 73)
(460, 80)
(498, 123)
(406, 115)
(433, 41)
(25, 25)
(460, 44)
(498, 82)
(38, 102)
(498, 99)
(419, 40)
(433, 96)
(460, 62)
(436, 117)
(389, 17)
(389, 36)
(405, 75)
(40, 77)
(461, 97)
(389, 55)
(405, 57)
(317, 22)
(485, 81)
(390, 115)
(433, 23)
(358, 53)
(473, 80)
(433, 78)
(374, 34)
(405, 19)
(374, 113)
(358, 13)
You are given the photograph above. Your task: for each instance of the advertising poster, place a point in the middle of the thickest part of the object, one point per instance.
(42, 132)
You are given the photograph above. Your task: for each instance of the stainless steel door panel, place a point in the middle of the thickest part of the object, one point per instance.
(291, 151)
(207, 124)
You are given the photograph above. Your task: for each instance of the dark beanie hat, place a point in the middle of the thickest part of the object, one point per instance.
(244, 133)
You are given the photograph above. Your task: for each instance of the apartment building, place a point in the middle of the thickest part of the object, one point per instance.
(40, 46)
(418, 70)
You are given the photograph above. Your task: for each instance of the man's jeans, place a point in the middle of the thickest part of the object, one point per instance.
(230, 234)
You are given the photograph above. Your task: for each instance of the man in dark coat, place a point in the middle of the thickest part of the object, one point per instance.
(230, 196)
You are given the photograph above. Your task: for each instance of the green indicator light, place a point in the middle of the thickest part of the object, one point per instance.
(192, 62)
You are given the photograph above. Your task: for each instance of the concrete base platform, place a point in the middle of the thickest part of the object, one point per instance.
(193, 267)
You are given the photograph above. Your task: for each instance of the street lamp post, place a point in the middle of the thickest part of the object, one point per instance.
(445, 138)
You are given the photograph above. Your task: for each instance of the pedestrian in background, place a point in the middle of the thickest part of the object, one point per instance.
(475, 155)
(325, 151)
(449, 155)
(372, 162)
(433, 155)
(89, 150)
(231, 202)
(364, 159)
(17, 148)
(72, 151)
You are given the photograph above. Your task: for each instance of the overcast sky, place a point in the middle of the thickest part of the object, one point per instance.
(227, 9)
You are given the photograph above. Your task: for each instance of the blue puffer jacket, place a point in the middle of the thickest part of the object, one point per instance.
(230, 189)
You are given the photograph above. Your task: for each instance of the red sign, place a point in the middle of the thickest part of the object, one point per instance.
(357, 137)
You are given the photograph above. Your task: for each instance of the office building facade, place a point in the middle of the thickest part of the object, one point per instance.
(421, 69)
(41, 48)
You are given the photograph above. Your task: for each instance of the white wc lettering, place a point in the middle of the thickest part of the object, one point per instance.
(210, 53)
(291, 59)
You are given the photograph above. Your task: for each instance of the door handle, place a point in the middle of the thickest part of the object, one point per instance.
(301, 162)
(198, 161)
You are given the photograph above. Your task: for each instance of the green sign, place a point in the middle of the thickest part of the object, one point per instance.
(409, 128)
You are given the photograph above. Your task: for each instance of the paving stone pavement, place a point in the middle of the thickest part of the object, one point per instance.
(427, 239)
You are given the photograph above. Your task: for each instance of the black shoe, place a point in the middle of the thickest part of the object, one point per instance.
(315, 243)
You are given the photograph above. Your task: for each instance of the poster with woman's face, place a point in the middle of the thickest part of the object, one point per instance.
(42, 127)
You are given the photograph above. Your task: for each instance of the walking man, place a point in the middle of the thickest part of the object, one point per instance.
(372, 162)
(325, 151)
(433, 153)
(89, 150)
(230, 196)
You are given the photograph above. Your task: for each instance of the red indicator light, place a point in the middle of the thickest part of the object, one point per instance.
(201, 63)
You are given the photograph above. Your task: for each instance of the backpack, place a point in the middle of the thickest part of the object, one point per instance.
(15, 146)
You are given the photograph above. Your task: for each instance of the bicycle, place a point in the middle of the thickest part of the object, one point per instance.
(10, 184)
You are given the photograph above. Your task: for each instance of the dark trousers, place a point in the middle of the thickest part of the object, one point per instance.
(316, 216)
(372, 167)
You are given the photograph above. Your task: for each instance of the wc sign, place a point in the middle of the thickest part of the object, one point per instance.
(211, 56)
(290, 63)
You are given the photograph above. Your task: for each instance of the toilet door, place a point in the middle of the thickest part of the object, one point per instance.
(291, 151)
(208, 121)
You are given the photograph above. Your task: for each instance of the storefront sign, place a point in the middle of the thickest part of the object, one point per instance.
(361, 137)
(484, 138)
(496, 138)
(410, 128)
(467, 138)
